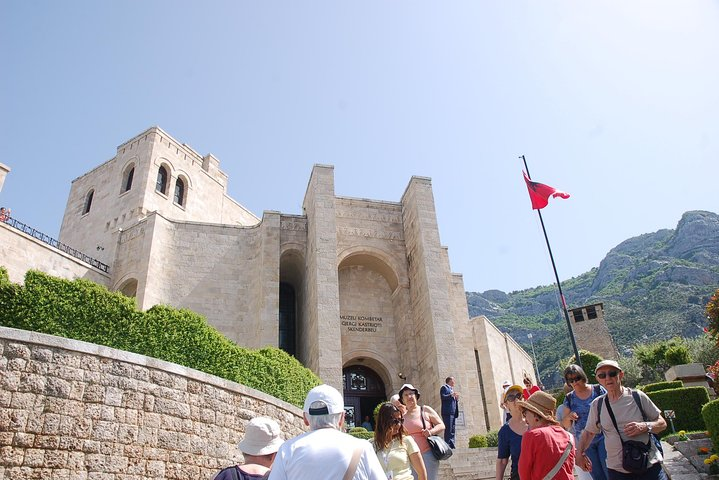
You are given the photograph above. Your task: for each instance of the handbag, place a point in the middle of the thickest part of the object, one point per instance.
(440, 449)
(635, 454)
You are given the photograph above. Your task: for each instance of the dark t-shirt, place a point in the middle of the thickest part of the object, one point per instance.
(227, 474)
(509, 445)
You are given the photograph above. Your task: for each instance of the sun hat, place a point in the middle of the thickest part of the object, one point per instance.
(262, 437)
(329, 396)
(506, 384)
(408, 386)
(541, 403)
(511, 388)
(607, 363)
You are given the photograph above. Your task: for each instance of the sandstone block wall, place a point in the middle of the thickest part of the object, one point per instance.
(74, 410)
(20, 252)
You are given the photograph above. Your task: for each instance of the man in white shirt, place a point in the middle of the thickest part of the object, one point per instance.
(325, 452)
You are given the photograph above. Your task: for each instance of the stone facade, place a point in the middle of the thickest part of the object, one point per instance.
(74, 410)
(358, 290)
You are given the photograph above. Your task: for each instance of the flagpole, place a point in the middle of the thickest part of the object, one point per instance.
(556, 276)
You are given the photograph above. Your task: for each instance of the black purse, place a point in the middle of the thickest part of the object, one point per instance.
(440, 449)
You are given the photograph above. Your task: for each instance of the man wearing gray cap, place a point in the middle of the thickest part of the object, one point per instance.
(259, 446)
(628, 418)
(325, 452)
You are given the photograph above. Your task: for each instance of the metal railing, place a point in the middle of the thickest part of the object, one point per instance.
(55, 243)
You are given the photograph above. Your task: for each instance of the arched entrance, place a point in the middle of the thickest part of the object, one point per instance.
(362, 389)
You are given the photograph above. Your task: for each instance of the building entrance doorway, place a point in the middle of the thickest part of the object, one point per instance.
(363, 390)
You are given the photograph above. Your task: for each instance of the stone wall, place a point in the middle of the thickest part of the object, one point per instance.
(74, 410)
(20, 252)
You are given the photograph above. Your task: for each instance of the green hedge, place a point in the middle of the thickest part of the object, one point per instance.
(361, 432)
(710, 413)
(493, 438)
(686, 402)
(84, 310)
(478, 441)
(655, 387)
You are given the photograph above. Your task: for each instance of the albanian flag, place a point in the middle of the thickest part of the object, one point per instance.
(539, 193)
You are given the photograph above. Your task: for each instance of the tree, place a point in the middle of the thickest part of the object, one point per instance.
(712, 310)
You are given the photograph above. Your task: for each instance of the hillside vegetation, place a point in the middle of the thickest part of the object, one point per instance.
(654, 287)
(83, 310)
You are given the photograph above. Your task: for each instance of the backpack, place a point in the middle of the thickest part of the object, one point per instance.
(638, 401)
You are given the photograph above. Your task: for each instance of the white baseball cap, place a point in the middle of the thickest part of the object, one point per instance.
(329, 396)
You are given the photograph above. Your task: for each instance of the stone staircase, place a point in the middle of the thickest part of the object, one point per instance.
(470, 464)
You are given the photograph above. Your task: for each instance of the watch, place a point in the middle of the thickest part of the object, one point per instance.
(649, 427)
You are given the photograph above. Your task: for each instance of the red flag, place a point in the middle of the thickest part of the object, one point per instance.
(539, 193)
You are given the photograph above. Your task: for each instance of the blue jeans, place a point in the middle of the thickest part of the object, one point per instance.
(655, 472)
(431, 464)
(597, 453)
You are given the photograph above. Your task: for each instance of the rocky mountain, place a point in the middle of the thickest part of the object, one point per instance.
(653, 287)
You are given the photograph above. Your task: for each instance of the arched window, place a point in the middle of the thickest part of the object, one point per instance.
(127, 181)
(179, 192)
(161, 185)
(288, 314)
(88, 202)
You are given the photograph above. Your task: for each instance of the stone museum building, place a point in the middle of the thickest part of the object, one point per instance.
(360, 291)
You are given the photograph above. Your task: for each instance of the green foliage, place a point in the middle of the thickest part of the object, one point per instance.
(361, 432)
(686, 403)
(712, 311)
(703, 349)
(710, 414)
(83, 310)
(560, 394)
(589, 363)
(493, 438)
(478, 441)
(677, 355)
(632, 368)
(655, 387)
(4, 278)
(653, 357)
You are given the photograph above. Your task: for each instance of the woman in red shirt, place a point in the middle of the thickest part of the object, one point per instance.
(547, 449)
(529, 389)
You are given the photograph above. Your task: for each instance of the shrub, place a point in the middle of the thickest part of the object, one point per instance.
(493, 438)
(478, 441)
(86, 311)
(589, 363)
(677, 355)
(685, 402)
(559, 397)
(361, 432)
(655, 387)
(710, 414)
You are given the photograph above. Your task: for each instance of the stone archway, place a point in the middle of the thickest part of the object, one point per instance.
(363, 390)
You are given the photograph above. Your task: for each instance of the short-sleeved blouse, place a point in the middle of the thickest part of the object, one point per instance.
(395, 457)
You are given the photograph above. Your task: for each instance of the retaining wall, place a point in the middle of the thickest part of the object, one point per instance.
(75, 410)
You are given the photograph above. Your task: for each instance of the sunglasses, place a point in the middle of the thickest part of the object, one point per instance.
(612, 373)
(513, 397)
(571, 380)
(398, 421)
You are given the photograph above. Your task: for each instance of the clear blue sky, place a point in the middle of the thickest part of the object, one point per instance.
(615, 102)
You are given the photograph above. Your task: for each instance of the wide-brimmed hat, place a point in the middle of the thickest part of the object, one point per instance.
(541, 403)
(408, 386)
(262, 437)
(511, 388)
(607, 363)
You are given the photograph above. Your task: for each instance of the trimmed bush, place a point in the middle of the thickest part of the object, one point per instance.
(478, 441)
(84, 310)
(361, 432)
(686, 402)
(655, 387)
(493, 438)
(710, 414)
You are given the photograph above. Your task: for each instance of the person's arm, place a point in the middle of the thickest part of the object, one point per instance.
(633, 429)
(415, 459)
(444, 392)
(580, 457)
(500, 468)
(526, 458)
(436, 421)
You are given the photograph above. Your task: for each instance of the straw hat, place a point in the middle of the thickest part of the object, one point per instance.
(541, 403)
(262, 437)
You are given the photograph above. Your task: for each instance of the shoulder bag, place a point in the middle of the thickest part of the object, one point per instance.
(635, 454)
(440, 449)
(561, 460)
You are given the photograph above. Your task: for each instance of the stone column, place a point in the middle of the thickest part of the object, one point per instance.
(323, 352)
